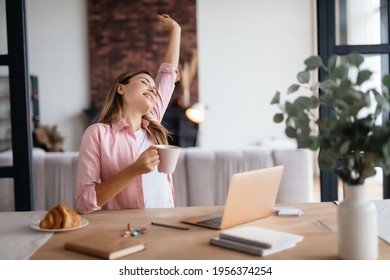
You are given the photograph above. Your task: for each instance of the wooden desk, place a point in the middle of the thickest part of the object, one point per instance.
(193, 244)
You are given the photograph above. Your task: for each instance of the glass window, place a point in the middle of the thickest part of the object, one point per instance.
(7, 196)
(374, 64)
(5, 111)
(358, 22)
(6, 156)
(3, 29)
(377, 64)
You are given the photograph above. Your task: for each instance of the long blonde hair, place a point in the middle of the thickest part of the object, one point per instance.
(112, 108)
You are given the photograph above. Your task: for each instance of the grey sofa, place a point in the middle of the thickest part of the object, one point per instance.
(202, 176)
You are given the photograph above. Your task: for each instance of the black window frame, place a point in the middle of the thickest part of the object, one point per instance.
(16, 60)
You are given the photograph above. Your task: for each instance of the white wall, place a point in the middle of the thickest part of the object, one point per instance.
(248, 49)
(58, 55)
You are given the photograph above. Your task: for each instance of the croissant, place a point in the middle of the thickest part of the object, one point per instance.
(60, 217)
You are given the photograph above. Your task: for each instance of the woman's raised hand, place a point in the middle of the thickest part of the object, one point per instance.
(167, 22)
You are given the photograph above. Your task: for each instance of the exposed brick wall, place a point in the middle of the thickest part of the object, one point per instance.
(124, 35)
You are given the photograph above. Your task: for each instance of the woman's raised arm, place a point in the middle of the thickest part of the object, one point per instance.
(173, 48)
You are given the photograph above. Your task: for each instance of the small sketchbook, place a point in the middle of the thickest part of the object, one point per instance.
(105, 246)
(261, 237)
(246, 248)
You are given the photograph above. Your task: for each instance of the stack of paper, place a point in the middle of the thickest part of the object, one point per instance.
(256, 240)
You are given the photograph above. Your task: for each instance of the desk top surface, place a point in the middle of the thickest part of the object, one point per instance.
(193, 244)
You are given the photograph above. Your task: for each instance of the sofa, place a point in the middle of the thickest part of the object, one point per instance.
(201, 177)
(54, 175)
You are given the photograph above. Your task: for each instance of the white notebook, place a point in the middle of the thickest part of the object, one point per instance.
(246, 248)
(261, 237)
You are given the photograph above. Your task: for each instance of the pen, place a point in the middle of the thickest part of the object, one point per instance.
(170, 226)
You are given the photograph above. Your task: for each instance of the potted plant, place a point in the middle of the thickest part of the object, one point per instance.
(351, 141)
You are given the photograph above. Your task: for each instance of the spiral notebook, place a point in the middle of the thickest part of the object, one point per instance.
(256, 240)
(247, 248)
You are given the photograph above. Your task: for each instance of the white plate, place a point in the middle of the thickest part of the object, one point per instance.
(35, 225)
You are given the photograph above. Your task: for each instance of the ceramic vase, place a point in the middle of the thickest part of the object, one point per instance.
(357, 225)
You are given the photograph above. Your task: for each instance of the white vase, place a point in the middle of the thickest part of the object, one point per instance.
(357, 225)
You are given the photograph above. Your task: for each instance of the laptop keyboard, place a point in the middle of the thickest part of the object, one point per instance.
(214, 222)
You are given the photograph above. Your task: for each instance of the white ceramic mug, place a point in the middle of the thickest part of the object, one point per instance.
(169, 155)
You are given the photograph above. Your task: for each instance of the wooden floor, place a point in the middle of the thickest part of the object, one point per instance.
(375, 189)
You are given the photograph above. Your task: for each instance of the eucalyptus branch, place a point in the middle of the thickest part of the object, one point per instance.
(349, 144)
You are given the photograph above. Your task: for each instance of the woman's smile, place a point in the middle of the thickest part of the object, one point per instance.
(150, 96)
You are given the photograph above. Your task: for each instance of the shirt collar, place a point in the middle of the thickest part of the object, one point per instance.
(120, 124)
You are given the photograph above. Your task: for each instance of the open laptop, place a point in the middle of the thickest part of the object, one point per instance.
(251, 196)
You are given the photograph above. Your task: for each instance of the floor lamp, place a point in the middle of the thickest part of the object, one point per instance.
(196, 113)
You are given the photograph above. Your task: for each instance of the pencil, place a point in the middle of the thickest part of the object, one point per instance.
(169, 226)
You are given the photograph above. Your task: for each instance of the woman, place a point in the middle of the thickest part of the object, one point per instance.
(118, 158)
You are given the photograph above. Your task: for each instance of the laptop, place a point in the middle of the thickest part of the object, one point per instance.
(251, 196)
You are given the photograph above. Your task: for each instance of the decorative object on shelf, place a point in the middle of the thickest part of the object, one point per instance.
(351, 141)
(187, 73)
(44, 136)
(48, 138)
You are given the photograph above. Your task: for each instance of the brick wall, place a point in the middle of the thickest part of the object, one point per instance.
(124, 35)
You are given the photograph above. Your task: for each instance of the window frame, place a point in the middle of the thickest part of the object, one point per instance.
(16, 60)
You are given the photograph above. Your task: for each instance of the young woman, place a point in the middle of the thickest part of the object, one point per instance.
(117, 159)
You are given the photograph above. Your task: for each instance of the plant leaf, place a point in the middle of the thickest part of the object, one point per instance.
(381, 103)
(355, 59)
(344, 148)
(293, 88)
(332, 62)
(302, 102)
(367, 172)
(291, 110)
(315, 86)
(327, 84)
(313, 62)
(276, 98)
(386, 160)
(381, 100)
(303, 77)
(278, 118)
(327, 159)
(386, 80)
(314, 102)
(309, 142)
(291, 132)
(341, 72)
(363, 76)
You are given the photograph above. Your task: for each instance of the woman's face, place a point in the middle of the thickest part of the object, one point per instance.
(139, 93)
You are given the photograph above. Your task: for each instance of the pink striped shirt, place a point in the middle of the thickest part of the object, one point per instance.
(107, 149)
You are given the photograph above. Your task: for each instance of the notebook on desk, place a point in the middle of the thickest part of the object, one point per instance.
(251, 196)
